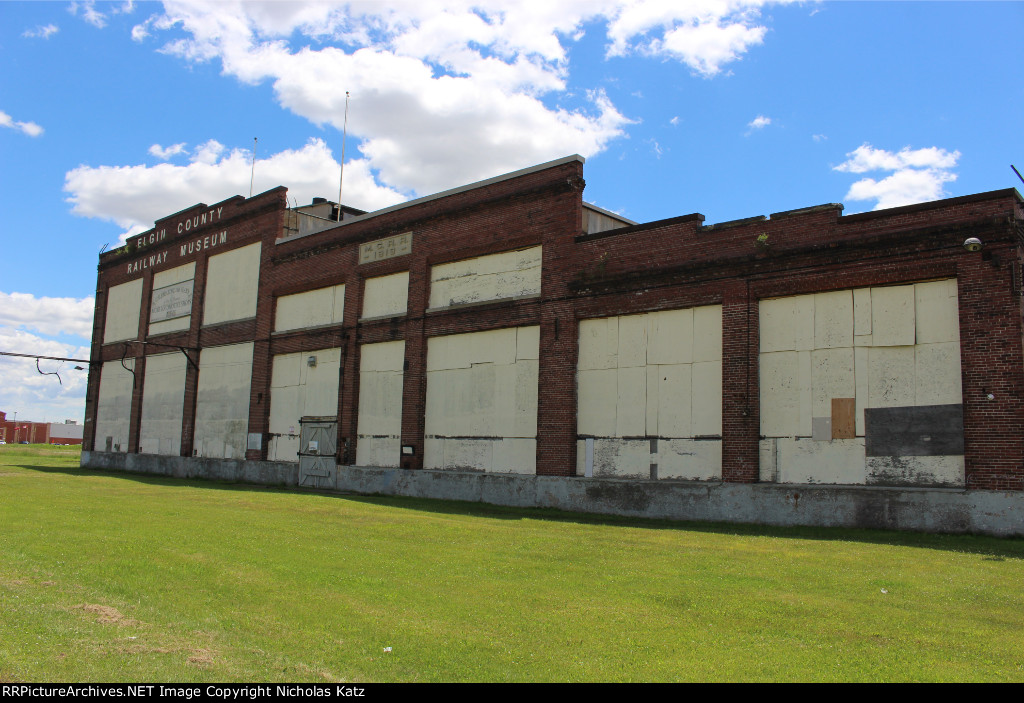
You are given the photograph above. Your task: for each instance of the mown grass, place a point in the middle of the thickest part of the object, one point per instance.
(130, 578)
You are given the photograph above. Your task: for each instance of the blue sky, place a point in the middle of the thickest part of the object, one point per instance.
(115, 114)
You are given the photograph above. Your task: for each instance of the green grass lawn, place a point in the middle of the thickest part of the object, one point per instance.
(130, 578)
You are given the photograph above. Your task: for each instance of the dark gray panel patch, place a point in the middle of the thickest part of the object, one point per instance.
(926, 430)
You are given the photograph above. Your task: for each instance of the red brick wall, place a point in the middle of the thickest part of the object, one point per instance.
(670, 264)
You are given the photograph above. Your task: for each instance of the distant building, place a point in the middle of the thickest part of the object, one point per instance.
(68, 432)
(509, 328)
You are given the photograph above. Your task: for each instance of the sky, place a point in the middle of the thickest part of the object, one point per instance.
(114, 114)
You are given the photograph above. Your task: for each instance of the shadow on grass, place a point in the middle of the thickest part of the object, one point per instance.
(994, 548)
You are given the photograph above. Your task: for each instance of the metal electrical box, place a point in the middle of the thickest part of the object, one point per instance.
(318, 439)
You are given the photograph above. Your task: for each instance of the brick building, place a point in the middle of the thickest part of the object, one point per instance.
(67, 432)
(507, 332)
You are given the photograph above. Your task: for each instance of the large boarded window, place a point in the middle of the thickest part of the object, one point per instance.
(511, 274)
(380, 403)
(386, 295)
(124, 302)
(222, 401)
(482, 401)
(840, 370)
(312, 308)
(231, 282)
(162, 404)
(171, 302)
(649, 395)
(303, 383)
(114, 406)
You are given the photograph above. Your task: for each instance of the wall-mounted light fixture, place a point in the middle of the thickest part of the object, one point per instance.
(972, 244)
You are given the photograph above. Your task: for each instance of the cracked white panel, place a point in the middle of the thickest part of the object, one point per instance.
(114, 406)
(506, 275)
(178, 274)
(862, 376)
(940, 471)
(653, 382)
(597, 395)
(386, 295)
(787, 324)
(832, 376)
(806, 418)
(222, 401)
(689, 459)
(862, 316)
(298, 389)
(780, 394)
(833, 319)
(937, 374)
(892, 316)
(482, 388)
(670, 336)
(631, 406)
(890, 377)
(938, 312)
(232, 279)
(312, 308)
(622, 458)
(632, 341)
(707, 333)
(599, 344)
(674, 400)
(840, 461)
(162, 404)
(381, 379)
(124, 303)
(767, 450)
(706, 398)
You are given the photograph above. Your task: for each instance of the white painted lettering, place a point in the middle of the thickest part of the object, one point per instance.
(184, 250)
(179, 227)
(218, 211)
(223, 236)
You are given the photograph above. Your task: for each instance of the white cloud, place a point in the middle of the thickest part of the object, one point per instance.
(41, 32)
(134, 196)
(89, 13)
(29, 128)
(759, 122)
(35, 396)
(47, 315)
(703, 34)
(674, 121)
(819, 137)
(918, 174)
(164, 153)
(445, 92)
(867, 158)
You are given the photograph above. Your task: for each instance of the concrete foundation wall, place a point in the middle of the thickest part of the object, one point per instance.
(999, 513)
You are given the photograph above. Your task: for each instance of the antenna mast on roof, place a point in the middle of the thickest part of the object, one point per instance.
(252, 177)
(344, 135)
(1017, 172)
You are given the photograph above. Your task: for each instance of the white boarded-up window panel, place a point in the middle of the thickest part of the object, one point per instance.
(937, 379)
(386, 295)
(381, 376)
(481, 409)
(707, 333)
(170, 277)
(509, 274)
(893, 322)
(298, 389)
(312, 308)
(162, 404)
(833, 320)
(622, 390)
(124, 302)
(114, 406)
(885, 369)
(937, 306)
(232, 279)
(599, 343)
(222, 401)
(787, 324)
